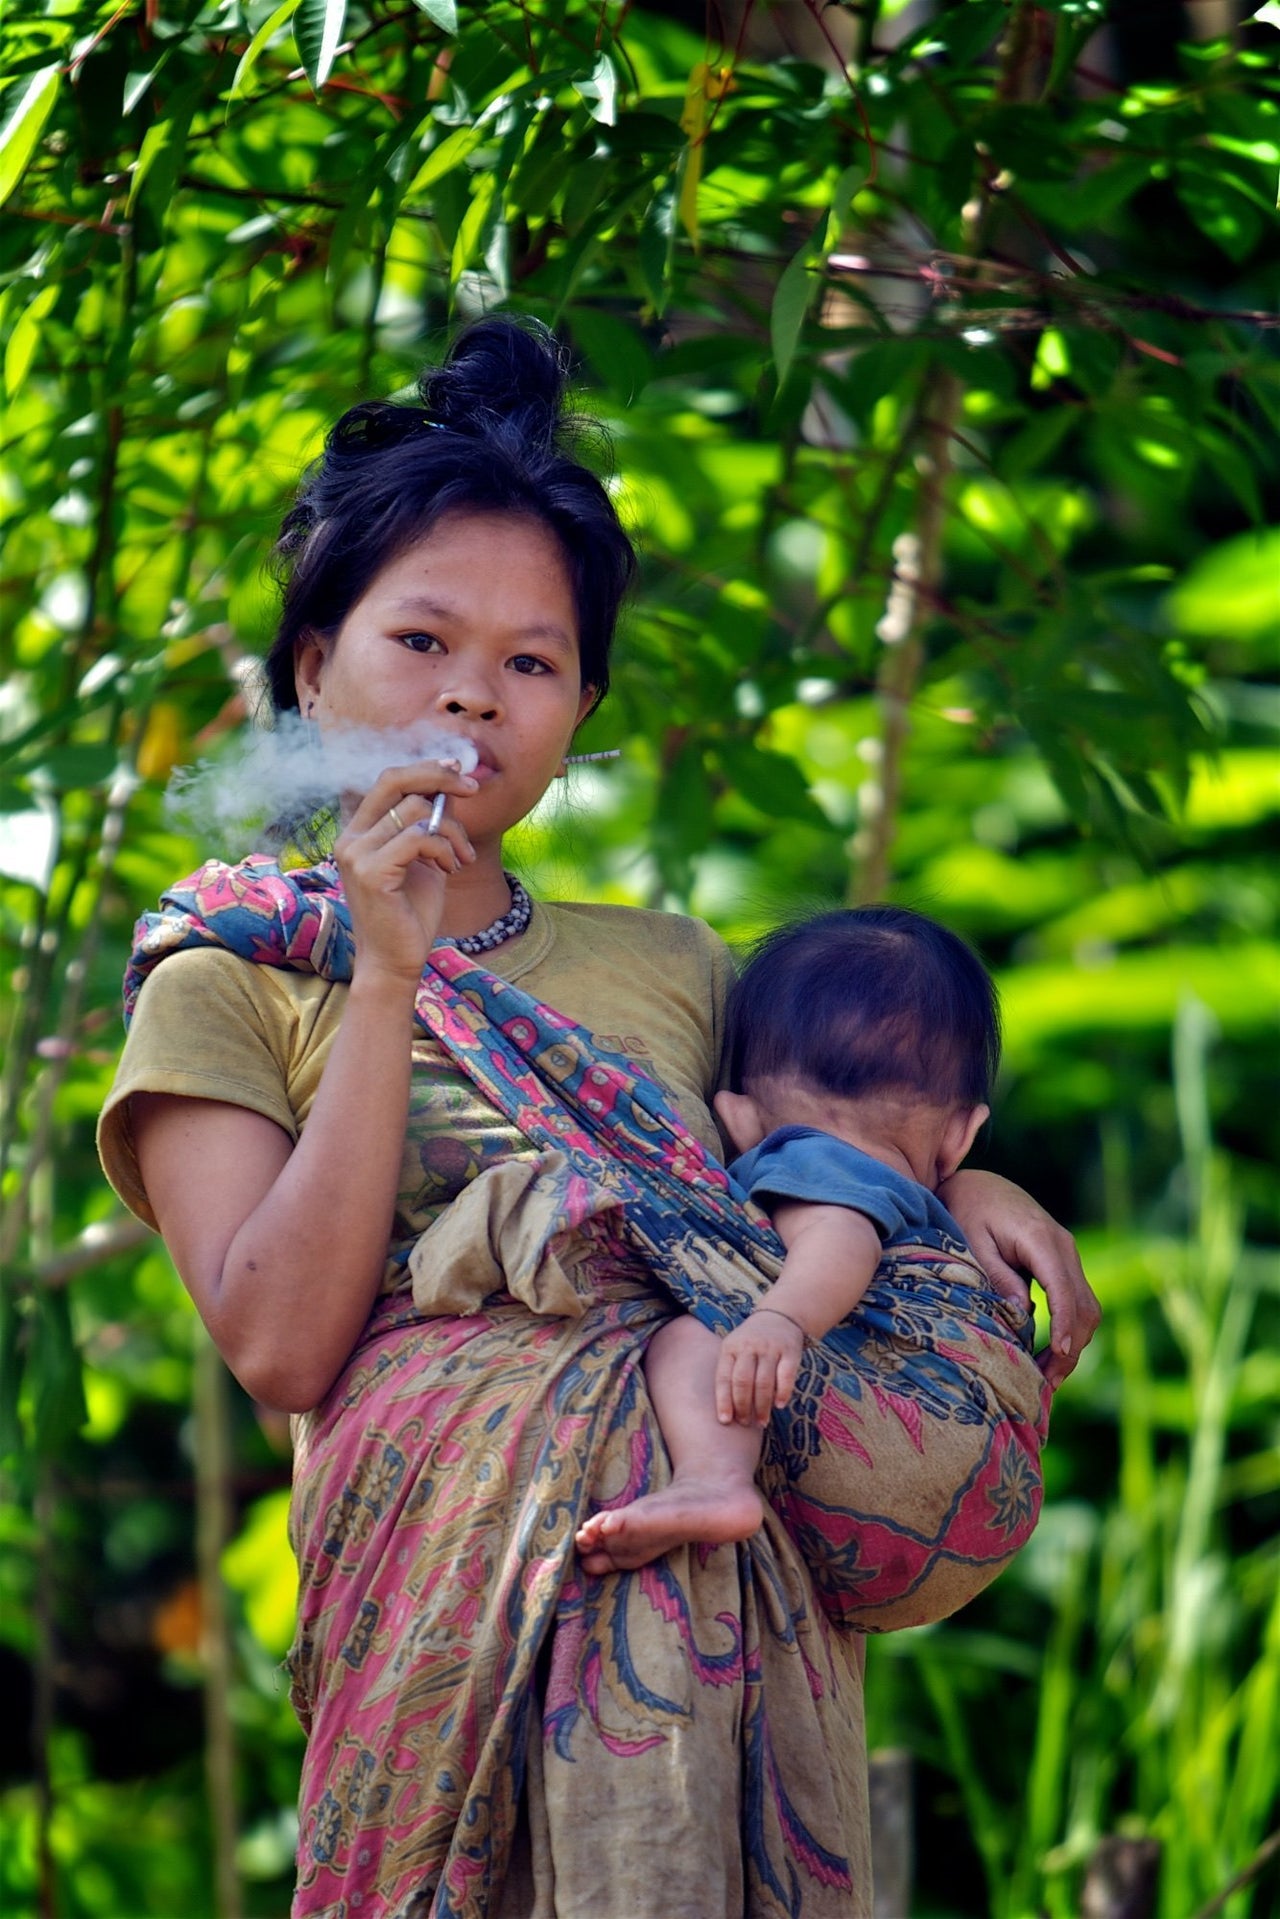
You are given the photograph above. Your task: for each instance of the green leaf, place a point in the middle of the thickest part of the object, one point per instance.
(1234, 470)
(770, 781)
(317, 28)
(163, 148)
(656, 247)
(450, 153)
(25, 338)
(617, 354)
(1220, 209)
(600, 92)
(1268, 16)
(257, 46)
(791, 303)
(70, 768)
(1233, 591)
(682, 817)
(24, 122)
(473, 234)
(443, 12)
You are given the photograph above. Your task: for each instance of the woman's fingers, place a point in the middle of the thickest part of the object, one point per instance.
(1010, 1236)
(403, 829)
(1005, 1279)
(411, 791)
(1074, 1311)
(1046, 1250)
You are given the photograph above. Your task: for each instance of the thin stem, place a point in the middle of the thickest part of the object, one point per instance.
(214, 1520)
(44, 1664)
(903, 628)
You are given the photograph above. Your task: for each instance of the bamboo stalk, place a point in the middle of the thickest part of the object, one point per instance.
(213, 1530)
(1122, 1880)
(889, 1779)
(43, 1703)
(93, 1247)
(914, 592)
(917, 574)
(45, 1608)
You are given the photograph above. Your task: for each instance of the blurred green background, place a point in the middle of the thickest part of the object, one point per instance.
(937, 351)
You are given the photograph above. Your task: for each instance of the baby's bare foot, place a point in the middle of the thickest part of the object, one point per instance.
(690, 1511)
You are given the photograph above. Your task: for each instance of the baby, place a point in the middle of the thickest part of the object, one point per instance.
(861, 1048)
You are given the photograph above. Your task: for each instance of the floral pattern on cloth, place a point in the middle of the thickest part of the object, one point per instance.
(474, 1702)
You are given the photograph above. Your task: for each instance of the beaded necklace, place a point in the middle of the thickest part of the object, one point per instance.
(506, 927)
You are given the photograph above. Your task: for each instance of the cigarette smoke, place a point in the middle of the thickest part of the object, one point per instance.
(272, 784)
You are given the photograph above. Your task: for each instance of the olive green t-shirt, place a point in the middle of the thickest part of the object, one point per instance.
(209, 1025)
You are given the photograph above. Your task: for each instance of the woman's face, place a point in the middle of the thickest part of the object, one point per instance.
(473, 629)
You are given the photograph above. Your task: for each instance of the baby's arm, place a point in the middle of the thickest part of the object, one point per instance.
(832, 1255)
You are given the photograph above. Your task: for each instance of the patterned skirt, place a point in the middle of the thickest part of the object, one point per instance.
(492, 1733)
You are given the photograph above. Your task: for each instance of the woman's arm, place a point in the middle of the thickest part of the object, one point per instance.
(1010, 1235)
(283, 1247)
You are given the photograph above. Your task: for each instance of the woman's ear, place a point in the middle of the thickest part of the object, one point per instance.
(309, 655)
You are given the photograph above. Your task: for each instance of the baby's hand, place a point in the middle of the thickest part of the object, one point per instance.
(757, 1369)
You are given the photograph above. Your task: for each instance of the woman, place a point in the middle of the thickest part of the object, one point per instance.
(491, 1731)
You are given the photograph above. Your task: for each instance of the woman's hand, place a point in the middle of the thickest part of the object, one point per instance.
(394, 871)
(1010, 1235)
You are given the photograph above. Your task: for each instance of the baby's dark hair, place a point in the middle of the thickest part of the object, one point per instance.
(868, 1000)
(489, 435)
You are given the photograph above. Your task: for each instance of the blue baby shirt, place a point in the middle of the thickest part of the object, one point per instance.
(799, 1162)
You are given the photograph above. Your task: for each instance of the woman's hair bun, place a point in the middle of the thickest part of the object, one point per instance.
(372, 425)
(488, 436)
(502, 378)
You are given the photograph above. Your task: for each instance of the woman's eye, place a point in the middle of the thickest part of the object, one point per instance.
(529, 663)
(420, 642)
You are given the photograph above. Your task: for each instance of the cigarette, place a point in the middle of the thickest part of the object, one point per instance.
(436, 814)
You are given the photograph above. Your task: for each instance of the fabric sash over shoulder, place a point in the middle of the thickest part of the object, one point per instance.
(904, 1472)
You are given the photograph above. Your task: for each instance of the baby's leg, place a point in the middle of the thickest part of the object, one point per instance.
(712, 1496)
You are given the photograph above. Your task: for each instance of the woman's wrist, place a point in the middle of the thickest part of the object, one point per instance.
(380, 987)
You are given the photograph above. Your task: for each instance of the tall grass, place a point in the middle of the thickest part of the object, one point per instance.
(1138, 1679)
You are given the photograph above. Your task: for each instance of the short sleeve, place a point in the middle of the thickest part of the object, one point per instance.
(797, 1163)
(207, 1026)
(724, 974)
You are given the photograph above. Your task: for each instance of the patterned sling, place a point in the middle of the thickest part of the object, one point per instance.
(930, 1345)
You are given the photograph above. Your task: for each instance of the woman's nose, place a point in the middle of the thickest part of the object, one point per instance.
(469, 695)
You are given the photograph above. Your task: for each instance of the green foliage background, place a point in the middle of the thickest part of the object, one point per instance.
(935, 345)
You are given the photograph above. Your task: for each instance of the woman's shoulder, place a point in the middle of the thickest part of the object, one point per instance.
(621, 960)
(641, 929)
(211, 974)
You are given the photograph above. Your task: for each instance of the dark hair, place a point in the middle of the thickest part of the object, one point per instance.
(490, 436)
(864, 1001)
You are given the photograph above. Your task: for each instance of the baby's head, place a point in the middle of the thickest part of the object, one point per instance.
(877, 1009)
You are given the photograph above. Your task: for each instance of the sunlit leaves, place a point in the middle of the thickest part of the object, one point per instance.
(24, 337)
(317, 26)
(265, 34)
(25, 107)
(443, 12)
